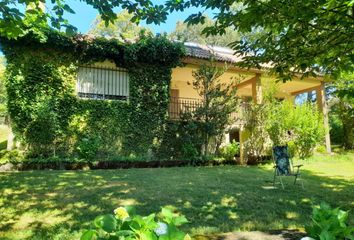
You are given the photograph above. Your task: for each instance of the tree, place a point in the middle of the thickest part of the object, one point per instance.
(122, 29)
(297, 37)
(343, 108)
(185, 32)
(219, 100)
(3, 98)
(12, 19)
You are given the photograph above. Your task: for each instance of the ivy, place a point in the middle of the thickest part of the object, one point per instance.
(40, 80)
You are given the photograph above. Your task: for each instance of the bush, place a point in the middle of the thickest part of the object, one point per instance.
(13, 156)
(181, 140)
(255, 133)
(88, 147)
(229, 151)
(337, 131)
(329, 224)
(301, 124)
(321, 149)
(125, 224)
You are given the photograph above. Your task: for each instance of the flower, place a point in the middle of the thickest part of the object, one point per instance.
(161, 229)
(121, 213)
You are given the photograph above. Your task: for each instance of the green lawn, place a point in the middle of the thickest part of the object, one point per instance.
(57, 204)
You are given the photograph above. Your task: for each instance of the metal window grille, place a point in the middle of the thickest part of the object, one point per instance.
(102, 83)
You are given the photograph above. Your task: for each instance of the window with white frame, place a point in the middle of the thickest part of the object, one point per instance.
(102, 83)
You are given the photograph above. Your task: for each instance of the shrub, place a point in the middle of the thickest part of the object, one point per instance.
(337, 131)
(88, 147)
(229, 151)
(302, 124)
(329, 224)
(321, 149)
(125, 224)
(13, 156)
(255, 133)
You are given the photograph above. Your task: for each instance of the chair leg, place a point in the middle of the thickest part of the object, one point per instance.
(295, 179)
(275, 175)
(302, 184)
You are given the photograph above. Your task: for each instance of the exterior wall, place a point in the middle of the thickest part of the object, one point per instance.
(182, 79)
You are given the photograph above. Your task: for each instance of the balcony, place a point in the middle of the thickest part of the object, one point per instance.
(182, 105)
(179, 106)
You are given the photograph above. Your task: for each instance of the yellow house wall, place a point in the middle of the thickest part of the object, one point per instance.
(182, 79)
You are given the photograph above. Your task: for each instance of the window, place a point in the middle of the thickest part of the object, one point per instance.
(102, 83)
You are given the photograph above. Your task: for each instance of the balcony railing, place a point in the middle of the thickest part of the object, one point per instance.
(179, 106)
(182, 105)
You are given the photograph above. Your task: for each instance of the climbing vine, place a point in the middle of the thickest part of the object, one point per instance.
(40, 80)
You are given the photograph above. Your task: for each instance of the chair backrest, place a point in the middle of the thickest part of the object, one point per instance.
(282, 159)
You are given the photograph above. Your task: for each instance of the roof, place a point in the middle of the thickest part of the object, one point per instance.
(222, 54)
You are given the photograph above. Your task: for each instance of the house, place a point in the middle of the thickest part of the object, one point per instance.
(92, 79)
(68, 71)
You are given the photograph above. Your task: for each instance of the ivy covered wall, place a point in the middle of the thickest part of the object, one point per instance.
(47, 116)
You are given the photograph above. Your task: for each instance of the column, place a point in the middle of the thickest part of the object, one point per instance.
(257, 89)
(322, 106)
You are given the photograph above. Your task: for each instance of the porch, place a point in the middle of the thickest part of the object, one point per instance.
(251, 85)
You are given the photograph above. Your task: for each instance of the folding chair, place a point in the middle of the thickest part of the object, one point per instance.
(283, 166)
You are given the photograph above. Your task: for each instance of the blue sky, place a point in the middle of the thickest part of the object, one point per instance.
(85, 15)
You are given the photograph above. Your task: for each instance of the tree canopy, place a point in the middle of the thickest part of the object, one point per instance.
(296, 37)
(306, 37)
(12, 18)
(122, 29)
(185, 32)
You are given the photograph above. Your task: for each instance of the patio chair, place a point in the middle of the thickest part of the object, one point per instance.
(283, 166)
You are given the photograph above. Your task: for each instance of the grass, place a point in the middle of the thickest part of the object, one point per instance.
(57, 204)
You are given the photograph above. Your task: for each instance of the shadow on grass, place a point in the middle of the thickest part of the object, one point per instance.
(57, 204)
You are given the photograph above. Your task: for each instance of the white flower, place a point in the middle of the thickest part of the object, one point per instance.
(161, 229)
(307, 238)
